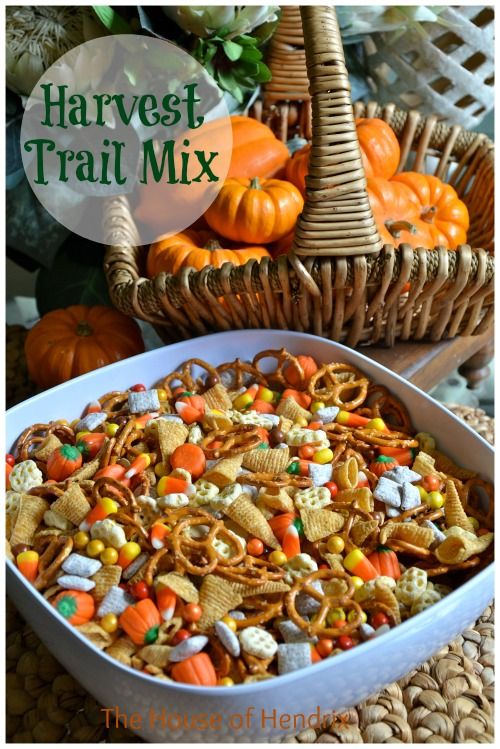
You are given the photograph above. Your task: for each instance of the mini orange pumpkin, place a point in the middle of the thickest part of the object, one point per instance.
(63, 461)
(75, 606)
(382, 464)
(385, 562)
(69, 342)
(198, 670)
(141, 622)
(253, 211)
(195, 249)
(397, 213)
(441, 208)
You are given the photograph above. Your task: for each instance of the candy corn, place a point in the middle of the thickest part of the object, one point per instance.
(104, 506)
(348, 419)
(114, 471)
(141, 421)
(173, 485)
(27, 564)
(377, 424)
(138, 465)
(357, 564)
(94, 407)
(291, 542)
(158, 534)
(166, 601)
(128, 553)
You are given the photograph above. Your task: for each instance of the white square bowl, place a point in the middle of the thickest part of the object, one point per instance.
(255, 712)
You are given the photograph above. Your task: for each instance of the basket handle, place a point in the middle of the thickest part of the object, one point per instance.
(337, 218)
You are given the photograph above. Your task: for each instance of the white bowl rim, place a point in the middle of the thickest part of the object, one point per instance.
(242, 689)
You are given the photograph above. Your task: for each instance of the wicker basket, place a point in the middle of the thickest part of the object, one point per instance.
(338, 281)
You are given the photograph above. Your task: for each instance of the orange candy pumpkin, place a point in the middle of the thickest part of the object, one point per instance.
(69, 342)
(385, 562)
(197, 670)
(63, 461)
(75, 606)
(382, 464)
(255, 211)
(294, 377)
(195, 249)
(141, 622)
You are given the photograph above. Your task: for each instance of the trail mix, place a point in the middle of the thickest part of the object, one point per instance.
(229, 526)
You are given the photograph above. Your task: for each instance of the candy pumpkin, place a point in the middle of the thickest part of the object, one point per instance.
(191, 249)
(255, 211)
(440, 207)
(69, 342)
(75, 606)
(385, 562)
(141, 622)
(197, 670)
(382, 464)
(397, 213)
(292, 374)
(379, 147)
(63, 461)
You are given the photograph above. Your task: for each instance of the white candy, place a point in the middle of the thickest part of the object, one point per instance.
(401, 475)
(91, 422)
(171, 417)
(291, 633)
(134, 566)
(25, 476)
(115, 601)
(173, 500)
(439, 536)
(411, 497)
(297, 436)
(77, 564)
(228, 638)
(109, 532)
(54, 519)
(187, 648)
(393, 512)
(74, 582)
(382, 630)
(258, 642)
(292, 656)
(298, 567)
(366, 631)
(314, 498)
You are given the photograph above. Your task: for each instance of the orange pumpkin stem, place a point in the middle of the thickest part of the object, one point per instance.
(83, 328)
(396, 227)
(428, 213)
(212, 245)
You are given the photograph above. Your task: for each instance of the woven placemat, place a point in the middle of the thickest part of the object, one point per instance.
(449, 699)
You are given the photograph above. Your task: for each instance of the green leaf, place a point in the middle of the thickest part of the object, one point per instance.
(76, 277)
(246, 40)
(111, 19)
(251, 54)
(228, 83)
(233, 51)
(264, 75)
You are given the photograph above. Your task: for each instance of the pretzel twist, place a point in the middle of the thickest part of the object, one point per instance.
(240, 369)
(339, 380)
(53, 551)
(275, 480)
(253, 572)
(284, 359)
(237, 440)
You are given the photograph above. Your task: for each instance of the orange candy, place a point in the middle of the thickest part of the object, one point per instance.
(191, 458)
(303, 399)
(306, 451)
(308, 365)
(262, 407)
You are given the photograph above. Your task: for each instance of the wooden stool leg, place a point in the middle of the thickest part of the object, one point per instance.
(476, 370)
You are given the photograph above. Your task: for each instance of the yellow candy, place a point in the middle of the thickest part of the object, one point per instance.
(162, 394)
(323, 456)
(266, 395)
(161, 470)
(111, 429)
(94, 548)
(351, 616)
(301, 421)
(278, 557)
(128, 553)
(81, 539)
(422, 492)
(435, 500)
(357, 582)
(317, 406)
(226, 682)
(79, 435)
(474, 521)
(109, 623)
(335, 544)
(377, 424)
(74, 423)
(334, 615)
(229, 622)
(242, 401)
(109, 555)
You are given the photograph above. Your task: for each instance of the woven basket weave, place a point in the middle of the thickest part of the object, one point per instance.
(338, 281)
